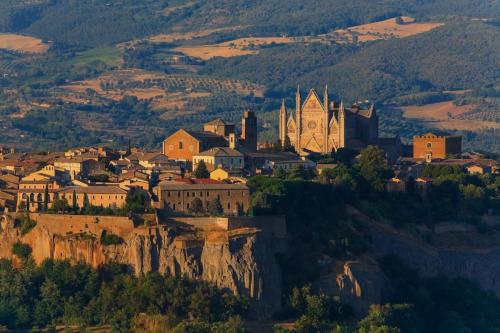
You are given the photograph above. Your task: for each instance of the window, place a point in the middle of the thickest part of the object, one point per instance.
(201, 194)
(187, 194)
(228, 205)
(24, 196)
(187, 206)
(168, 194)
(429, 145)
(179, 194)
(181, 145)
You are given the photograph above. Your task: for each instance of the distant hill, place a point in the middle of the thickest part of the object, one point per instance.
(457, 56)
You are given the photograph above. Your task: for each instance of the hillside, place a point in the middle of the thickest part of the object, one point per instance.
(362, 50)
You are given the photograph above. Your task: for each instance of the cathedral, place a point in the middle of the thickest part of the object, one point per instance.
(323, 126)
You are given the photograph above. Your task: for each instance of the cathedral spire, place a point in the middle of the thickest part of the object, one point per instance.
(325, 98)
(298, 115)
(282, 124)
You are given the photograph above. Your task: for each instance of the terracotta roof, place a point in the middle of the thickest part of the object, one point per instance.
(7, 195)
(77, 159)
(9, 178)
(221, 151)
(175, 186)
(93, 190)
(200, 135)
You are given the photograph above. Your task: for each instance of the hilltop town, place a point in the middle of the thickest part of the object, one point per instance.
(205, 171)
(217, 205)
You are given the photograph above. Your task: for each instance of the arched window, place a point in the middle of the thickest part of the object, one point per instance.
(32, 197)
(25, 196)
(181, 145)
(39, 197)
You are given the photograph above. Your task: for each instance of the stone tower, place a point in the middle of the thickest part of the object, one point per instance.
(249, 131)
(282, 124)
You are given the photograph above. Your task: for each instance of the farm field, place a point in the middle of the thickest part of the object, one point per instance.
(108, 55)
(446, 115)
(387, 29)
(233, 48)
(391, 28)
(23, 44)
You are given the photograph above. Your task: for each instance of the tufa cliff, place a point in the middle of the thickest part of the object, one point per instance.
(241, 260)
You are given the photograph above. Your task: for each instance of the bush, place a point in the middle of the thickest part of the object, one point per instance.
(26, 224)
(21, 250)
(110, 239)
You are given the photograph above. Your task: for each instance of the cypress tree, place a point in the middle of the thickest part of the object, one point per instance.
(46, 199)
(75, 203)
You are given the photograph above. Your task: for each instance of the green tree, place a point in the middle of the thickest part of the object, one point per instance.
(59, 205)
(215, 207)
(48, 308)
(74, 205)
(196, 206)
(201, 170)
(21, 250)
(46, 199)
(345, 156)
(373, 167)
(136, 200)
(389, 318)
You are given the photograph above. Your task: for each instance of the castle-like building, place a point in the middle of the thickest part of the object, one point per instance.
(323, 126)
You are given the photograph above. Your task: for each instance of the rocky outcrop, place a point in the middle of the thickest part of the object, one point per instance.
(243, 262)
(359, 284)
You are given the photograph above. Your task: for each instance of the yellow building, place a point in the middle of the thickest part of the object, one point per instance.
(219, 174)
(105, 196)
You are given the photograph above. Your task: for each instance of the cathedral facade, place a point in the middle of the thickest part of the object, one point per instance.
(323, 126)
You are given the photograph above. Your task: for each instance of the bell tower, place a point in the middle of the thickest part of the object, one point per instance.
(249, 130)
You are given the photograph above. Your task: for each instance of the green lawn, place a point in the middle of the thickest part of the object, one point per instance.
(109, 55)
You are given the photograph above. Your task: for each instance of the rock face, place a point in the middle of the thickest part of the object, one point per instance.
(242, 262)
(481, 265)
(360, 284)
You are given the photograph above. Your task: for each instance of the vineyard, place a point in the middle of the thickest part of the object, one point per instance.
(162, 89)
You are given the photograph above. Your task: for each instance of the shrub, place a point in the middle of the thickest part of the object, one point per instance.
(26, 224)
(21, 250)
(110, 239)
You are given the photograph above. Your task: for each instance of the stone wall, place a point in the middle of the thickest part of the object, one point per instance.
(63, 224)
(275, 225)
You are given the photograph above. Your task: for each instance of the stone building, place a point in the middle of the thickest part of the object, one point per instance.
(431, 146)
(183, 144)
(219, 127)
(177, 197)
(99, 196)
(227, 158)
(323, 126)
